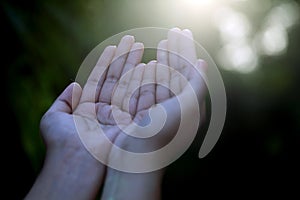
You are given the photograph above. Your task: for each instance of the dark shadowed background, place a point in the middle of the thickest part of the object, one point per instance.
(254, 43)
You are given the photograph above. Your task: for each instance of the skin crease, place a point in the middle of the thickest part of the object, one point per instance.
(70, 171)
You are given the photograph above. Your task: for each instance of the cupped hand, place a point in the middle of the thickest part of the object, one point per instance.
(120, 91)
(165, 96)
(124, 102)
(78, 113)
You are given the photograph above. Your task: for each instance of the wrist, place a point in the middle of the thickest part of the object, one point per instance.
(68, 174)
(142, 185)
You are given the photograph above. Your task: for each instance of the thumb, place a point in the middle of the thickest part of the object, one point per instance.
(68, 99)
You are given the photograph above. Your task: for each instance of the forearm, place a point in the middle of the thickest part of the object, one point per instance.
(132, 186)
(67, 175)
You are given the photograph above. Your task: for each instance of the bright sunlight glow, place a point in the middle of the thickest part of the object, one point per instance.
(242, 44)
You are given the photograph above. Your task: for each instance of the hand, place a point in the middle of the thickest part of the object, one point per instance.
(175, 55)
(87, 113)
(70, 171)
(100, 112)
(91, 107)
(162, 84)
(179, 52)
(105, 94)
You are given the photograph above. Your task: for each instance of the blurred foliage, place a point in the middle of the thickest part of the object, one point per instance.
(50, 39)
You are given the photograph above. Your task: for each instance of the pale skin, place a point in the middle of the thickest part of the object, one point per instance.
(70, 171)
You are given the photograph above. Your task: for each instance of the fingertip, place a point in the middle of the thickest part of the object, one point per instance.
(128, 38)
(175, 29)
(186, 30)
(141, 65)
(76, 94)
(68, 99)
(76, 86)
(162, 45)
(138, 45)
(188, 33)
(152, 63)
(202, 65)
(110, 48)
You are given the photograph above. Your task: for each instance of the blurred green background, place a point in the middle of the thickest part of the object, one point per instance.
(254, 43)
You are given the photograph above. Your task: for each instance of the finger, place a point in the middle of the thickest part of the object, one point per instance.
(187, 48)
(134, 57)
(162, 82)
(147, 91)
(120, 90)
(130, 99)
(175, 82)
(116, 68)
(67, 100)
(187, 52)
(173, 47)
(162, 52)
(89, 93)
